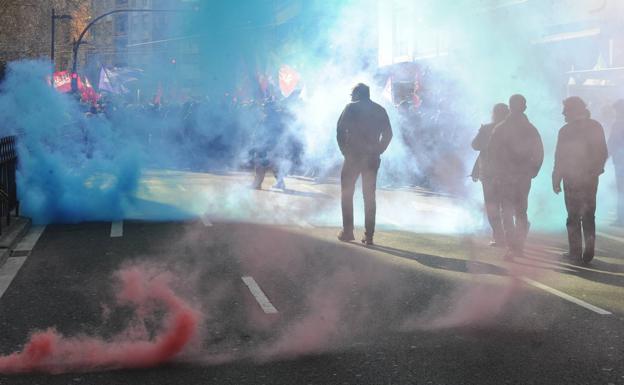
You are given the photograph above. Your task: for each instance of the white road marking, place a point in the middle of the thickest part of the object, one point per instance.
(206, 221)
(30, 239)
(13, 264)
(9, 271)
(611, 237)
(259, 295)
(116, 229)
(565, 296)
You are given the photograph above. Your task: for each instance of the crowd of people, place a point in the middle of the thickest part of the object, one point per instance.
(511, 155)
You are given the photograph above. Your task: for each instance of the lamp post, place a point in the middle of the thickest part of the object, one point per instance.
(54, 18)
(74, 77)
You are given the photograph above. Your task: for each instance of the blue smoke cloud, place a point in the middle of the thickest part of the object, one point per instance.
(76, 168)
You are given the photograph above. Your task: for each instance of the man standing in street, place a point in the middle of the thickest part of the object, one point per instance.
(580, 158)
(483, 171)
(516, 153)
(616, 149)
(363, 134)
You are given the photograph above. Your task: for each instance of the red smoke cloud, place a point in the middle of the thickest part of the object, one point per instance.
(50, 352)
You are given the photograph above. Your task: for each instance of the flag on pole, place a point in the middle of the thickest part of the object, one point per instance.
(114, 80)
(387, 92)
(288, 80)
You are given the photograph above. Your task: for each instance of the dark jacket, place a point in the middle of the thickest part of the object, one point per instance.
(515, 149)
(616, 144)
(581, 151)
(482, 169)
(363, 129)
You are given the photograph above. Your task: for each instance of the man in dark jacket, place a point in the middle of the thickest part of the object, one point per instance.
(268, 152)
(482, 171)
(516, 154)
(580, 158)
(363, 134)
(616, 149)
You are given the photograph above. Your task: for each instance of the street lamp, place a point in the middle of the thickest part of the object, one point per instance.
(54, 18)
(74, 81)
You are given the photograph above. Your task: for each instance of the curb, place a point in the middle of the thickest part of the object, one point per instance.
(11, 236)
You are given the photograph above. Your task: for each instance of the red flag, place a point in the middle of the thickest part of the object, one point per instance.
(288, 80)
(87, 92)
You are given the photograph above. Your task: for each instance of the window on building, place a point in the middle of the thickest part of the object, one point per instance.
(121, 24)
(402, 32)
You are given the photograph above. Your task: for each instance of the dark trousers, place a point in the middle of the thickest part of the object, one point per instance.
(619, 180)
(515, 202)
(261, 171)
(493, 208)
(580, 199)
(351, 170)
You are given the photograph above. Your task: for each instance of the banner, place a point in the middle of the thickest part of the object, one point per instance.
(62, 81)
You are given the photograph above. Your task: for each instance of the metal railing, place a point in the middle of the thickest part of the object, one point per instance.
(8, 186)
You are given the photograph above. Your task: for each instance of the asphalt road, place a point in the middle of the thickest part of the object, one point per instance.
(419, 308)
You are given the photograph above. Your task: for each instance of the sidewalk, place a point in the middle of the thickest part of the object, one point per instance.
(11, 235)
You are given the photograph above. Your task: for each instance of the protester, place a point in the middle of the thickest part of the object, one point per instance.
(580, 158)
(364, 133)
(268, 153)
(483, 171)
(616, 149)
(516, 153)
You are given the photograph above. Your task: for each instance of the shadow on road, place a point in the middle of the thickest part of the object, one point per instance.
(598, 271)
(444, 263)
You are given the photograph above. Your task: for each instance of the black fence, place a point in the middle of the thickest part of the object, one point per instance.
(9, 204)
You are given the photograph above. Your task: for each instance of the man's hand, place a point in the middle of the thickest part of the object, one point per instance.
(557, 189)
(556, 182)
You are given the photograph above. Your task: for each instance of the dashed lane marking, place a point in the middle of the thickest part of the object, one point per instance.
(116, 229)
(9, 271)
(30, 239)
(259, 295)
(565, 296)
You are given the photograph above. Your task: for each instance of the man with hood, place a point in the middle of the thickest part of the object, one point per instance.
(516, 154)
(363, 133)
(616, 149)
(483, 171)
(580, 158)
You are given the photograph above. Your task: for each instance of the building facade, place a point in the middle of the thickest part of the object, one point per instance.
(582, 40)
(149, 41)
(26, 29)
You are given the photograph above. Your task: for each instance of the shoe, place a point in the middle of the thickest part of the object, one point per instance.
(346, 236)
(368, 241)
(571, 256)
(587, 258)
(280, 185)
(497, 244)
